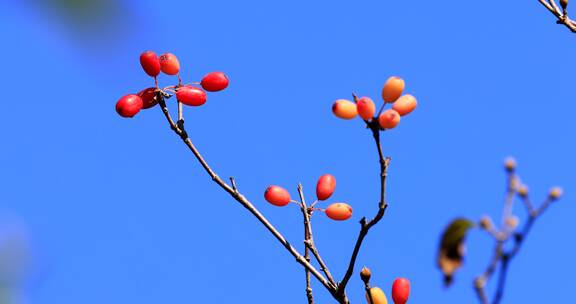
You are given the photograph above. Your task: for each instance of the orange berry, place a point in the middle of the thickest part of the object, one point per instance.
(389, 119)
(339, 211)
(344, 109)
(405, 104)
(366, 108)
(392, 89)
(277, 196)
(169, 64)
(325, 187)
(378, 296)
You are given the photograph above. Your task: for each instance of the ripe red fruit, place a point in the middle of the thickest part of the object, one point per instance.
(344, 109)
(129, 105)
(150, 63)
(325, 186)
(339, 211)
(392, 89)
(148, 97)
(366, 108)
(214, 82)
(400, 291)
(191, 96)
(405, 104)
(169, 64)
(389, 119)
(277, 196)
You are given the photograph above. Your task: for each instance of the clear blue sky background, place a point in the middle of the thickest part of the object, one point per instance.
(118, 211)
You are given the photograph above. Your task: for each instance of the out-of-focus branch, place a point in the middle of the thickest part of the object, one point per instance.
(561, 15)
(365, 225)
(501, 258)
(178, 128)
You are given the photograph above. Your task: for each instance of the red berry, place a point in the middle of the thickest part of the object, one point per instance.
(366, 108)
(392, 89)
(405, 104)
(150, 63)
(277, 196)
(191, 96)
(169, 64)
(339, 211)
(389, 119)
(400, 291)
(148, 96)
(344, 109)
(215, 81)
(325, 187)
(129, 105)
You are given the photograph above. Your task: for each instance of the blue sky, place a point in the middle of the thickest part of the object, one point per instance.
(118, 211)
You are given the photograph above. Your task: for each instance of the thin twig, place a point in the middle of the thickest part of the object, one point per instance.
(307, 235)
(309, 242)
(562, 18)
(240, 198)
(382, 205)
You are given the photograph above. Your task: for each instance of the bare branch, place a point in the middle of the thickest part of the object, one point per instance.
(561, 16)
(503, 258)
(364, 224)
(179, 130)
(307, 235)
(309, 242)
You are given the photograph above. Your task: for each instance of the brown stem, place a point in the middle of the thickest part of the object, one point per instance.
(309, 242)
(307, 235)
(561, 16)
(179, 130)
(382, 205)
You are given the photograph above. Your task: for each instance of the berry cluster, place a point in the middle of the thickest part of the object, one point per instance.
(188, 94)
(375, 295)
(365, 108)
(325, 187)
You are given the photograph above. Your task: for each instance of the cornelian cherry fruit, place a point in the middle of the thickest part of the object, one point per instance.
(344, 109)
(169, 64)
(129, 105)
(392, 89)
(214, 82)
(325, 186)
(150, 63)
(191, 96)
(400, 291)
(148, 96)
(377, 295)
(339, 211)
(366, 108)
(405, 104)
(389, 119)
(277, 196)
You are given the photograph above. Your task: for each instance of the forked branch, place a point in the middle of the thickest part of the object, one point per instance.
(178, 128)
(561, 14)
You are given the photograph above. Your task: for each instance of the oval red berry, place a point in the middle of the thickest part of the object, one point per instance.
(129, 105)
(214, 82)
(277, 196)
(191, 96)
(400, 291)
(325, 186)
(148, 96)
(339, 211)
(169, 64)
(150, 63)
